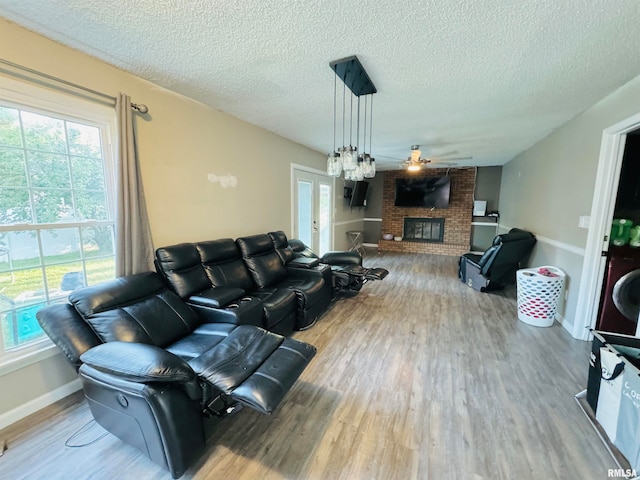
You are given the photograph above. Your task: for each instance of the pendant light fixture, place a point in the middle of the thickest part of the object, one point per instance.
(346, 159)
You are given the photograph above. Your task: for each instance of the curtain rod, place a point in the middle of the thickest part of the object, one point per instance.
(104, 98)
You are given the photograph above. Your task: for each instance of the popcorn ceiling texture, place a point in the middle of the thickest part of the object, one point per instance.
(484, 78)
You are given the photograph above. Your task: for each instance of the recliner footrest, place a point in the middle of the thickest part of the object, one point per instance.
(368, 273)
(254, 366)
(268, 385)
(376, 274)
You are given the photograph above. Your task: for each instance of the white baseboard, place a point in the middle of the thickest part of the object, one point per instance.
(23, 411)
(568, 326)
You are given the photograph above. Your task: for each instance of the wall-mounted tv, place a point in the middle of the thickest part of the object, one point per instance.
(427, 192)
(359, 194)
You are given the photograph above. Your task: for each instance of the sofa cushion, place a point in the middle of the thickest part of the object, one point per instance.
(261, 259)
(223, 264)
(181, 266)
(279, 305)
(138, 308)
(203, 338)
(281, 244)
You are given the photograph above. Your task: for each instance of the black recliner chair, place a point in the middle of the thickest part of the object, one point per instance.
(152, 369)
(496, 267)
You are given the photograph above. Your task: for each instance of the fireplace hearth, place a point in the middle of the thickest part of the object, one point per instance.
(423, 229)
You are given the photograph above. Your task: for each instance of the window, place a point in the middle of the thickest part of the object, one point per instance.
(56, 215)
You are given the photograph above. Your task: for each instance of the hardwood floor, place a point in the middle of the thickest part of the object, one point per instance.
(417, 377)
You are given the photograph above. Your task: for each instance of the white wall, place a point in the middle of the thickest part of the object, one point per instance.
(550, 185)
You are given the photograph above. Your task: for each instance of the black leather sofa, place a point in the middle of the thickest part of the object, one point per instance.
(496, 267)
(244, 282)
(152, 368)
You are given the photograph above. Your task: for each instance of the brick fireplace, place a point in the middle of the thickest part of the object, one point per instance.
(455, 220)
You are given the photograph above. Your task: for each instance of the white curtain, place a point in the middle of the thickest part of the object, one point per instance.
(134, 248)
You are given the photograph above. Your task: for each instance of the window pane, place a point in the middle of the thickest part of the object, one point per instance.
(48, 170)
(10, 127)
(43, 133)
(62, 279)
(91, 205)
(87, 173)
(84, 140)
(97, 241)
(305, 212)
(53, 206)
(23, 287)
(100, 269)
(13, 172)
(14, 206)
(60, 245)
(20, 326)
(19, 250)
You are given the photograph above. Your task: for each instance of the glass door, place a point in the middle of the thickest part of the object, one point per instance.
(312, 210)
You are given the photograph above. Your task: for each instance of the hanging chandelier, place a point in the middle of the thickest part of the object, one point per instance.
(346, 159)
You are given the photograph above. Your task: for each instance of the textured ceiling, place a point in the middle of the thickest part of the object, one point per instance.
(484, 78)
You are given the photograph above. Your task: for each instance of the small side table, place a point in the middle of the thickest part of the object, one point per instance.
(355, 241)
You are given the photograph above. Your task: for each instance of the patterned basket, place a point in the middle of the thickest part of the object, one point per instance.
(538, 295)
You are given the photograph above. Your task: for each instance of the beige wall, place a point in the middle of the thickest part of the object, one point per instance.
(179, 144)
(549, 186)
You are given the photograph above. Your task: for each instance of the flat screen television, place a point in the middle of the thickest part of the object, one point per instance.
(359, 194)
(427, 192)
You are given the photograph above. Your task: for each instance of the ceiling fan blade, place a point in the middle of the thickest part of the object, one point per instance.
(452, 159)
(444, 154)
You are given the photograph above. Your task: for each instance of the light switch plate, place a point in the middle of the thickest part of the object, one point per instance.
(584, 221)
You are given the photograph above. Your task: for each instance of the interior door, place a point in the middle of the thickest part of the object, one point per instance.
(312, 216)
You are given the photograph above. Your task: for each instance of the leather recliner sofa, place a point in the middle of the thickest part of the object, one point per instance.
(212, 278)
(152, 369)
(230, 281)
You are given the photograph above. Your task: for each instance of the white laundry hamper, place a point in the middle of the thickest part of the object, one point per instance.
(538, 295)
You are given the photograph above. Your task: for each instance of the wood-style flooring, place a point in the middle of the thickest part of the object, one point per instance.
(416, 377)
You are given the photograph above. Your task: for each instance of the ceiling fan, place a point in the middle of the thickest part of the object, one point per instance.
(415, 163)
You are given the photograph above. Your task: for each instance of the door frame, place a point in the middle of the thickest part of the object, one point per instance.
(602, 207)
(304, 168)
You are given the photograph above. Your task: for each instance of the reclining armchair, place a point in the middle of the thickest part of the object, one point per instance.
(496, 267)
(347, 272)
(152, 369)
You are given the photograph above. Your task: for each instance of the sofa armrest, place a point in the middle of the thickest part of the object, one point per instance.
(142, 363)
(303, 262)
(66, 328)
(342, 258)
(216, 297)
